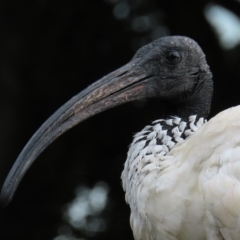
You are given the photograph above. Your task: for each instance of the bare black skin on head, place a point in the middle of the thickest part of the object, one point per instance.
(173, 69)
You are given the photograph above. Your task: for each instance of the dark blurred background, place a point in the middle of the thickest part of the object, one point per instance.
(49, 51)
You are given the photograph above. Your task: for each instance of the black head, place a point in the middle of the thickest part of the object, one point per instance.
(173, 69)
(179, 74)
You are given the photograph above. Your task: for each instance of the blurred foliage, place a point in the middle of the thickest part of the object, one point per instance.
(50, 50)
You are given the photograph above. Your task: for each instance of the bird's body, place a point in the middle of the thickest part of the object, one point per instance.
(191, 192)
(182, 175)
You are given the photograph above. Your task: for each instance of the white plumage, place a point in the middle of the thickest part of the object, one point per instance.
(192, 192)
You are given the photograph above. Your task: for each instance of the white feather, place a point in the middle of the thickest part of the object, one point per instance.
(193, 192)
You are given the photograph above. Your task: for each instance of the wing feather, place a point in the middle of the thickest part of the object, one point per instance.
(220, 173)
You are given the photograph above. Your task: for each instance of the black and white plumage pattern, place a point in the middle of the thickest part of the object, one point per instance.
(162, 135)
(151, 145)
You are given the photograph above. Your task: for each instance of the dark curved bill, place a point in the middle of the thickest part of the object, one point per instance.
(123, 85)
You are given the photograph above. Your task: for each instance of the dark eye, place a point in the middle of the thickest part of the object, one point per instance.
(173, 57)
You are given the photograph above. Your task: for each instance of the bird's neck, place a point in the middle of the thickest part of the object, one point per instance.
(199, 104)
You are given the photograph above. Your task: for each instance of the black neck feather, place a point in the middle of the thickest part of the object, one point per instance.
(199, 104)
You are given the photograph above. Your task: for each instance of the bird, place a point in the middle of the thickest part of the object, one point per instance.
(182, 174)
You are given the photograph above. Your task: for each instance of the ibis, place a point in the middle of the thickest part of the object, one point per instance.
(182, 174)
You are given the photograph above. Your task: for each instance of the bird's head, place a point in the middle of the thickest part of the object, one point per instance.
(176, 72)
(173, 69)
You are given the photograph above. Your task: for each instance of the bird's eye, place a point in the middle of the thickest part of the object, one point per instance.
(173, 57)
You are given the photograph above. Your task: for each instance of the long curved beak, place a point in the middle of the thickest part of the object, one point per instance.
(126, 84)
